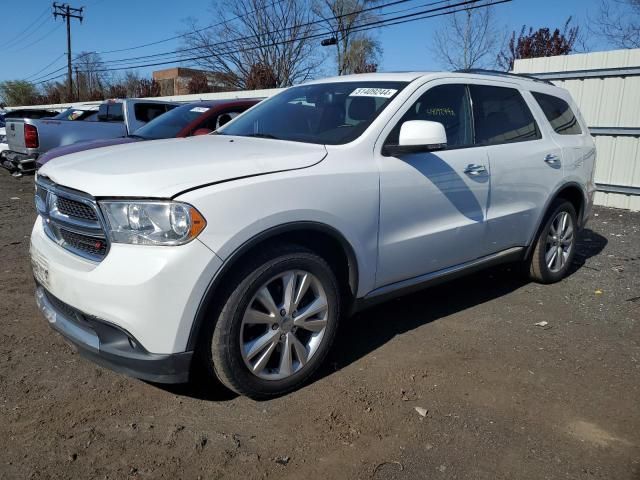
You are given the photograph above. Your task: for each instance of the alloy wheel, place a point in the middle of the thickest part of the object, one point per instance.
(560, 240)
(283, 325)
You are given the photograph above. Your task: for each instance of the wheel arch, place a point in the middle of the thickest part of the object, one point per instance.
(572, 192)
(325, 240)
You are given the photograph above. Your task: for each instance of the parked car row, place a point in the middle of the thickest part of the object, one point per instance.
(33, 142)
(240, 252)
(197, 118)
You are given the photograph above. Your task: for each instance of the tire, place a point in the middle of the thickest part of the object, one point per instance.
(555, 245)
(246, 316)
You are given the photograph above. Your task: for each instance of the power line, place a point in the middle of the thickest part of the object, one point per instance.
(367, 26)
(237, 17)
(43, 69)
(54, 29)
(20, 36)
(452, 8)
(178, 51)
(315, 22)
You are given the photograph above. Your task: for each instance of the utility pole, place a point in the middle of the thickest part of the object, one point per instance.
(67, 12)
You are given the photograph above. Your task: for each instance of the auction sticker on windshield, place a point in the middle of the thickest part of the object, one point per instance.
(40, 268)
(199, 109)
(373, 92)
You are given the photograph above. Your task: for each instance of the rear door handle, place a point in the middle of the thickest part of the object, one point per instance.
(552, 159)
(475, 169)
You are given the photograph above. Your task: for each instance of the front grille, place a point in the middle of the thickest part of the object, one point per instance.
(72, 220)
(73, 208)
(68, 311)
(92, 245)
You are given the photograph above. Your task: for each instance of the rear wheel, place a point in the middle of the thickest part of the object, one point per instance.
(555, 246)
(277, 323)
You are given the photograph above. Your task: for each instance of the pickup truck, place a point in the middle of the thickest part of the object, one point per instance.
(198, 118)
(28, 139)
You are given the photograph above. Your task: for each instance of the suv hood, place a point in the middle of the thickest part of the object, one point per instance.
(164, 168)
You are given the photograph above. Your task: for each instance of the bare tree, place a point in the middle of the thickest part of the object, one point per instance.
(468, 39)
(90, 79)
(356, 51)
(618, 22)
(261, 34)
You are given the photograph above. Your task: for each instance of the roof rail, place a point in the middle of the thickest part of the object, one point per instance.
(482, 71)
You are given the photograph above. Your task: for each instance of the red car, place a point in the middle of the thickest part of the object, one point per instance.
(198, 118)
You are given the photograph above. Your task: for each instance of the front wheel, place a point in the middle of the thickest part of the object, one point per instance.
(556, 243)
(277, 324)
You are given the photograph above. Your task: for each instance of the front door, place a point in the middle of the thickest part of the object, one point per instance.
(432, 205)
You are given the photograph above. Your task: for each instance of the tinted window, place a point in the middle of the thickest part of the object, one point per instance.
(145, 112)
(559, 114)
(169, 124)
(324, 113)
(111, 112)
(501, 116)
(446, 104)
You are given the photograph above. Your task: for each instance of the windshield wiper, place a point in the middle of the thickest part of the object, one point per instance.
(262, 135)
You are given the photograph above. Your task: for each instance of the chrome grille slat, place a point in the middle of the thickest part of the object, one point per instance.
(72, 208)
(72, 220)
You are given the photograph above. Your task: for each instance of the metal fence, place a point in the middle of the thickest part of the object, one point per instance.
(606, 86)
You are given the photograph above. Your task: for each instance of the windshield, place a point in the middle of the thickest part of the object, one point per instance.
(324, 113)
(169, 124)
(74, 114)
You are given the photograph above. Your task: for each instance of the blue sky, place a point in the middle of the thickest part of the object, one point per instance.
(115, 24)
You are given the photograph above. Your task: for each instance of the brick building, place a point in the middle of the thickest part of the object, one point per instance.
(175, 81)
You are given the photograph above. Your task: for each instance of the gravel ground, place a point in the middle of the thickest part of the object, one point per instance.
(499, 397)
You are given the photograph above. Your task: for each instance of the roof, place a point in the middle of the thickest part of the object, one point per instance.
(374, 77)
(411, 76)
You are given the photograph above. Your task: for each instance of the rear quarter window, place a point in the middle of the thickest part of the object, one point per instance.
(559, 114)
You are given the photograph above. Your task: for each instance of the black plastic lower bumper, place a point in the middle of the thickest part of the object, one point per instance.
(111, 346)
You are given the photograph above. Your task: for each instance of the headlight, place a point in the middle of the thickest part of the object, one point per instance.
(152, 222)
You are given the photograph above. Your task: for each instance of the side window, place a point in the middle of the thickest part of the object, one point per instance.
(216, 121)
(559, 114)
(447, 104)
(145, 112)
(501, 115)
(111, 112)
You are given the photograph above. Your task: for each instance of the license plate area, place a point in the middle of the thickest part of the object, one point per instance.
(40, 267)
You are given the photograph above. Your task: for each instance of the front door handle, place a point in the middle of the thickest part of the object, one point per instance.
(552, 159)
(475, 169)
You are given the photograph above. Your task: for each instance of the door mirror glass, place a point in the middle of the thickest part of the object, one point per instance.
(419, 136)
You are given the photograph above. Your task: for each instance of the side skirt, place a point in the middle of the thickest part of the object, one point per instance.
(405, 287)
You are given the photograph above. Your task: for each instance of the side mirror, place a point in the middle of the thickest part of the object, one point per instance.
(419, 136)
(202, 131)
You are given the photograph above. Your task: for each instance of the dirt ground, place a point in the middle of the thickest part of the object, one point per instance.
(502, 397)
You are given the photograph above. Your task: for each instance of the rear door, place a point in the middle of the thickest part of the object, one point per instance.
(526, 163)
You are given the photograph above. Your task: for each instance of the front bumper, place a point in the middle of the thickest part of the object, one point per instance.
(152, 293)
(18, 162)
(111, 346)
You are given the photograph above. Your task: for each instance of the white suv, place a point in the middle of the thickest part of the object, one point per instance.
(243, 250)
